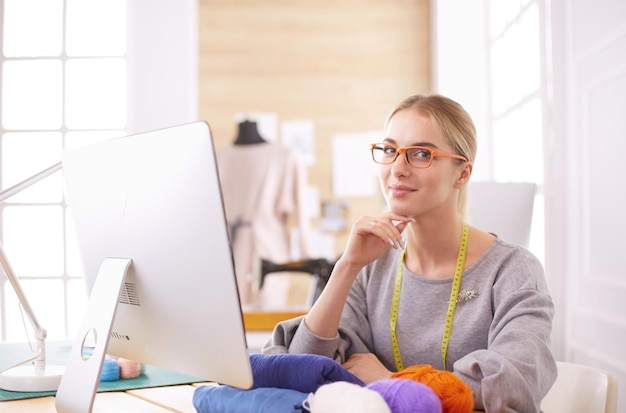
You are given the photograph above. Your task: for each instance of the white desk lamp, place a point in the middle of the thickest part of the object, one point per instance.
(37, 376)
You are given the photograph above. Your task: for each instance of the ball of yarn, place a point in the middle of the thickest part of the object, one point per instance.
(407, 396)
(110, 370)
(455, 395)
(342, 397)
(129, 369)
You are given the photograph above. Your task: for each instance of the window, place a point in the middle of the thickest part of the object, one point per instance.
(496, 70)
(517, 99)
(64, 76)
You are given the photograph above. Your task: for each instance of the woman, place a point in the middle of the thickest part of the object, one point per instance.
(387, 304)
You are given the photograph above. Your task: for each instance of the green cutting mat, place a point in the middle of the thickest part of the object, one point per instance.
(58, 352)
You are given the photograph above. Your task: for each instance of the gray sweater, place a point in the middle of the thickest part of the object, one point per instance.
(499, 343)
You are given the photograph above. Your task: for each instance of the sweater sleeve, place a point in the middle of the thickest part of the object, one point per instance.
(517, 368)
(293, 336)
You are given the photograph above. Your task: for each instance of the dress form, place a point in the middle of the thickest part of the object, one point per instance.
(248, 134)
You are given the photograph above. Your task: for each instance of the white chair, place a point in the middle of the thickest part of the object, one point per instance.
(581, 389)
(504, 208)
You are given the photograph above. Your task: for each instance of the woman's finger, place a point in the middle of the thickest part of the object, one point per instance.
(384, 227)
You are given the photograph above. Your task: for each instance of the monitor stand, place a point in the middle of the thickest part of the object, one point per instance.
(79, 384)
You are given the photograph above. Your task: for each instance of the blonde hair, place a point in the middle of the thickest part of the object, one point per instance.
(454, 123)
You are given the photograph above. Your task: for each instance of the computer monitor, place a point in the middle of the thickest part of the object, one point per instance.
(152, 231)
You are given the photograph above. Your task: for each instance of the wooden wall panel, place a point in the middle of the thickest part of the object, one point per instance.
(342, 64)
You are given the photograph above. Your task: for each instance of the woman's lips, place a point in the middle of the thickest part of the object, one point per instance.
(400, 190)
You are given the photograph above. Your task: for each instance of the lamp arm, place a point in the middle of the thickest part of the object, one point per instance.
(7, 193)
(3, 257)
(40, 333)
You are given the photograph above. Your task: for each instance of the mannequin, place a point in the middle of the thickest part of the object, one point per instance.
(248, 134)
(263, 185)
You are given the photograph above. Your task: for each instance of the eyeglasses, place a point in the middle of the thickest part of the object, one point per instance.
(416, 156)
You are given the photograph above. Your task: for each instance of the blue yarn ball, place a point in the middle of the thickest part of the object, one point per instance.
(110, 370)
(407, 396)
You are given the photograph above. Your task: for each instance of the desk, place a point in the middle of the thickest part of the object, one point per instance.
(175, 398)
(151, 400)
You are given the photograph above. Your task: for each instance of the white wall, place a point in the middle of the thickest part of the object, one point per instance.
(162, 63)
(585, 218)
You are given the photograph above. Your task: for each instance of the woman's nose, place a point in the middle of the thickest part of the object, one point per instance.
(400, 165)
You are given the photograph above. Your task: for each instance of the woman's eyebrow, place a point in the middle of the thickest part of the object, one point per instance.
(417, 143)
(427, 144)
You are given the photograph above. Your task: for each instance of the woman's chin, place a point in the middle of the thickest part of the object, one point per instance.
(401, 210)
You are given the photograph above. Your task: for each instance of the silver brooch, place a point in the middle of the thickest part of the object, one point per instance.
(466, 295)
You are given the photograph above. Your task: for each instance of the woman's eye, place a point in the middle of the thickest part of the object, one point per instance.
(389, 150)
(421, 154)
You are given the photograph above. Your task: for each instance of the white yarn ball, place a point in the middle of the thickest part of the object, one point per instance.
(342, 397)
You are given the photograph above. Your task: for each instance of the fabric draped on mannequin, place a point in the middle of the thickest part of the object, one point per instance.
(263, 187)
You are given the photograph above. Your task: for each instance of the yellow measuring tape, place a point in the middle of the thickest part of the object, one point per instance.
(454, 294)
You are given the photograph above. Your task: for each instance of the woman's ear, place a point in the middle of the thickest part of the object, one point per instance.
(464, 175)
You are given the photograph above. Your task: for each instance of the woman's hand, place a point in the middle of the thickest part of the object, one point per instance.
(369, 238)
(367, 367)
(372, 235)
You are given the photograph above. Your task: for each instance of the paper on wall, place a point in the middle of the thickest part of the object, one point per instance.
(300, 134)
(354, 172)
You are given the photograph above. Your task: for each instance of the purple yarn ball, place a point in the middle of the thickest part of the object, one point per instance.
(407, 396)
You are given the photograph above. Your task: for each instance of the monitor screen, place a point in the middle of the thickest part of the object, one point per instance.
(155, 198)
